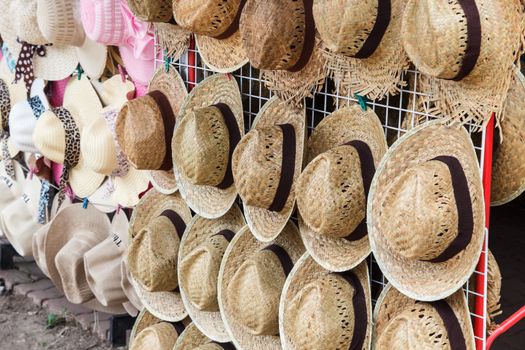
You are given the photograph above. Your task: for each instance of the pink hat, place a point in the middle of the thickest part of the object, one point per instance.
(103, 21)
(58, 89)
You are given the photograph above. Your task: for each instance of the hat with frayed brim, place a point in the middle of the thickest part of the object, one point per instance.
(151, 10)
(344, 149)
(173, 39)
(193, 339)
(266, 165)
(426, 213)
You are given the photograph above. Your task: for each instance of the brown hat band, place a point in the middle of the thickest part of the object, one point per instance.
(225, 346)
(176, 220)
(471, 12)
(384, 12)
(287, 168)
(227, 234)
(452, 325)
(235, 137)
(282, 255)
(168, 118)
(309, 37)
(235, 24)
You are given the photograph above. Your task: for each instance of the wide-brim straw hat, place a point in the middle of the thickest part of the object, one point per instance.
(193, 338)
(145, 319)
(401, 322)
(248, 173)
(209, 201)
(426, 189)
(222, 56)
(197, 244)
(341, 127)
(310, 295)
(285, 250)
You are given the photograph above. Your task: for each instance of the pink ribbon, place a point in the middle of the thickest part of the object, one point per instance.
(140, 35)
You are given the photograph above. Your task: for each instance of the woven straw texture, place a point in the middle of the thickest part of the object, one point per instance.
(331, 198)
(222, 56)
(316, 309)
(160, 336)
(173, 39)
(411, 199)
(205, 17)
(493, 291)
(144, 320)
(250, 284)
(151, 10)
(192, 338)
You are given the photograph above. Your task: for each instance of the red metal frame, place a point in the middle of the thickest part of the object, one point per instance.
(506, 325)
(192, 73)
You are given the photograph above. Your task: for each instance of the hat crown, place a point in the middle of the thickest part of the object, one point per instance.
(98, 147)
(50, 137)
(59, 21)
(151, 10)
(158, 336)
(26, 24)
(206, 17)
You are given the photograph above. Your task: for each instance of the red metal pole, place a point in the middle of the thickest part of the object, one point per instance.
(506, 325)
(192, 68)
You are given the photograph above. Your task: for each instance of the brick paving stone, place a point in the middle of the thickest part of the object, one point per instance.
(14, 277)
(61, 305)
(41, 296)
(26, 288)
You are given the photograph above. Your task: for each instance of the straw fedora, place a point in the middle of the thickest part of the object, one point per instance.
(404, 323)
(344, 150)
(151, 10)
(425, 211)
(266, 165)
(145, 320)
(200, 253)
(145, 128)
(210, 127)
(467, 54)
(320, 309)
(193, 339)
(173, 39)
(251, 279)
(156, 226)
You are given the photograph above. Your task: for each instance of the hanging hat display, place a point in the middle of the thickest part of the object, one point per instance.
(193, 339)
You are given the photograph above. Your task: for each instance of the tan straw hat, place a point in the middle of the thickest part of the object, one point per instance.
(145, 319)
(320, 309)
(156, 227)
(200, 254)
(151, 10)
(211, 124)
(404, 323)
(266, 165)
(426, 213)
(173, 39)
(251, 279)
(145, 128)
(344, 149)
(193, 339)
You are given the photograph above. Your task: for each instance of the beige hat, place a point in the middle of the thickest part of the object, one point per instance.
(320, 309)
(193, 339)
(344, 150)
(404, 323)
(151, 10)
(266, 165)
(145, 319)
(145, 128)
(11, 188)
(426, 211)
(210, 127)
(127, 286)
(156, 227)
(251, 279)
(200, 254)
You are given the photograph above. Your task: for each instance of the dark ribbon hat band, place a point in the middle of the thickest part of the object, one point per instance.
(179, 327)
(384, 12)
(471, 12)
(234, 26)
(225, 346)
(227, 234)
(168, 118)
(452, 325)
(176, 220)
(309, 37)
(282, 255)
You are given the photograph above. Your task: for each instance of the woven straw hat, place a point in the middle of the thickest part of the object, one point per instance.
(266, 165)
(200, 254)
(493, 291)
(404, 323)
(251, 279)
(322, 309)
(145, 128)
(466, 53)
(425, 211)
(211, 124)
(145, 319)
(173, 39)
(156, 226)
(344, 149)
(193, 339)
(151, 10)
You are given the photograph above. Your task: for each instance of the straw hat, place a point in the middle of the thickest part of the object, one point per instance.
(322, 309)
(193, 339)
(344, 149)
(467, 54)
(251, 279)
(151, 10)
(266, 165)
(156, 227)
(145, 320)
(145, 128)
(200, 253)
(210, 127)
(173, 39)
(404, 323)
(425, 211)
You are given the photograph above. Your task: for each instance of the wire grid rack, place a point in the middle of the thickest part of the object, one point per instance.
(391, 111)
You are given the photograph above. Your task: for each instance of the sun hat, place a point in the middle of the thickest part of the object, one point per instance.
(266, 165)
(404, 323)
(145, 319)
(151, 10)
(173, 40)
(145, 128)
(10, 187)
(323, 309)
(251, 279)
(193, 339)
(344, 150)
(156, 226)
(426, 212)
(200, 254)
(467, 54)
(103, 198)
(210, 126)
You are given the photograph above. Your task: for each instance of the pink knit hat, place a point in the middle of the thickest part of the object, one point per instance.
(103, 21)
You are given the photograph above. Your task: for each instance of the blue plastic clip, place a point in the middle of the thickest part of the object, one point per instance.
(79, 72)
(362, 100)
(85, 202)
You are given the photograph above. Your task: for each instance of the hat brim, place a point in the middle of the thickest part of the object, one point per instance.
(191, 338)
(102, 198)
(140, 70)
(83, 180)
(222, 56)
(129, 186)
(92, 57)
(143, 321)
(173, 38)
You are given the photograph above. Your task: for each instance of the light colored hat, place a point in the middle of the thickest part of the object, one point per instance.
(11, 188)
(344, 150)
(320, 309)
(210, 127)
(404, 323)
(127, 286)
(200, 254)
(151, 10)
(266, 165)
(193, 339)
(426, 211)
(104, 197)
(145, 320)
(156, 226)
(145, 128)
(251, 279)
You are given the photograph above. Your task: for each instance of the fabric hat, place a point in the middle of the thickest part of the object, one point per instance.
(322, 309)
(145, 319)
(156, 226)
(266, 165)
(193, 339)
(10, 188)
(200, 254)
(127, 286)
(251, 279)
(404, 323)
(344, 150)
(209, 129)
(145, 128)
(151, 10)
(426, 212)
(114, 91)
(104, 197)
